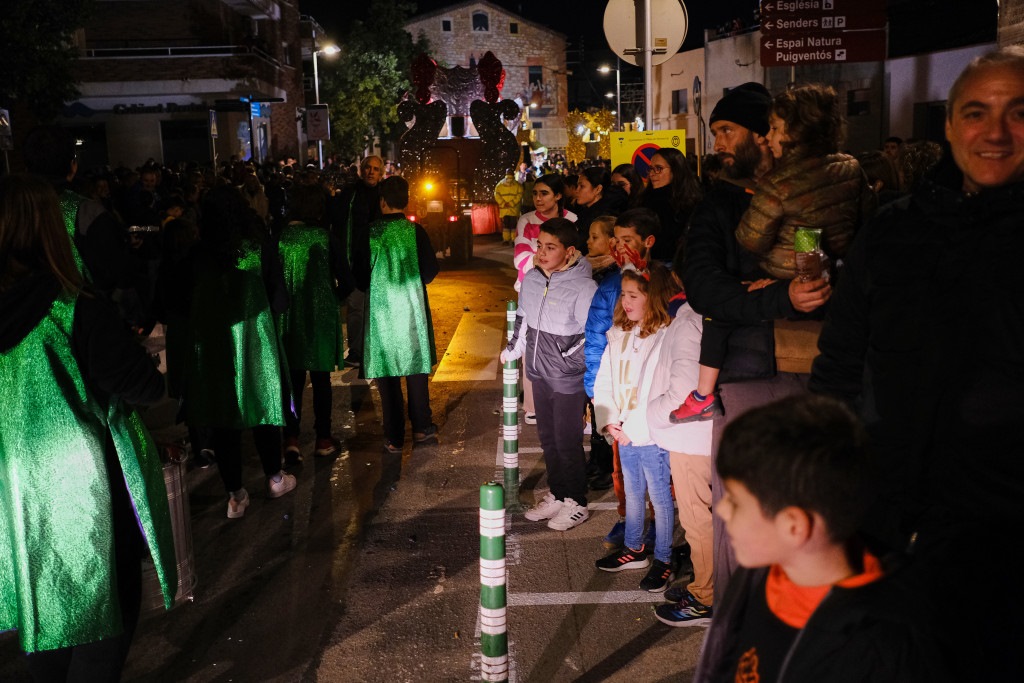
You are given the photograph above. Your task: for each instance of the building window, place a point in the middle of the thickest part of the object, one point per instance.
(513, 27)
(679, 102)
(535, 78)
(858, 102)
(446, 25)
(481, 22)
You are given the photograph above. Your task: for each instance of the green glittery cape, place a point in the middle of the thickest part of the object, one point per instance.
(57, 582)
(233, 376)
(311, 325)
(399, 336)
(69, 203)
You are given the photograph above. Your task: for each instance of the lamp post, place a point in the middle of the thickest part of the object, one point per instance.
(618, 86)
(327, 50)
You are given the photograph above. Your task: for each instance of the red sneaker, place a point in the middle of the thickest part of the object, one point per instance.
(695, 410)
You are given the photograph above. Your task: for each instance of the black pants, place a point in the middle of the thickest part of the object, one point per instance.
(228, 445)
(600, 450)
(714, 343)
(561, 438)
(354, 321)
(103, 660)
(322, 403)
(390, 389)
(200, 438)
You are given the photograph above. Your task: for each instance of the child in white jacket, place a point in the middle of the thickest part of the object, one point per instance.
(621, 394)
(689, 447)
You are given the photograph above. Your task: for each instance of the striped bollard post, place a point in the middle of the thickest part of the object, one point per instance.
(510, 419)
(493, 630)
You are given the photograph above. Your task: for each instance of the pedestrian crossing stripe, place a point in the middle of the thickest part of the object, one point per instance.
(472, 354)
(583, 598)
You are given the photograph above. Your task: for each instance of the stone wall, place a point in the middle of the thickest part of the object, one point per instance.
(517, 42)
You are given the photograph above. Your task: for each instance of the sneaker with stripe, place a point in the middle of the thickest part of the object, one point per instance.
(570, 515)
(687, 612)
(627, 558)
(658, 577)
(545, 509)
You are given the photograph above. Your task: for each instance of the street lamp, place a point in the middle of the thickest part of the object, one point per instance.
(618, 89)
(326, 50)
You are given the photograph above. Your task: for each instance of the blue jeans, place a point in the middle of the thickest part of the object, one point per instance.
(645, 471)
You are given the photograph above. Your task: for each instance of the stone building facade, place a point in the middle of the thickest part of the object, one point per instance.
(158, 78)
(532, 54)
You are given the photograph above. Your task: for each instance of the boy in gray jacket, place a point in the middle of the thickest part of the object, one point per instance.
(553, 306)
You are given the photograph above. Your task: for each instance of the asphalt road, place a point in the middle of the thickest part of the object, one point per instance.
(369, 571)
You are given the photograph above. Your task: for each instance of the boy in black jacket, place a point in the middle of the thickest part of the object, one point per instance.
(809, 604)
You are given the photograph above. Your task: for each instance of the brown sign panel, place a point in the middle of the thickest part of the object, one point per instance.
(822, 47)
(779, 7)
(798, 23)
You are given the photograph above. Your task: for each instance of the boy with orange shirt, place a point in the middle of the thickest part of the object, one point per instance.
(810, 603)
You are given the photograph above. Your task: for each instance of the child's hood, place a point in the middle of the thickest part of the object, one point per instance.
(578, 268)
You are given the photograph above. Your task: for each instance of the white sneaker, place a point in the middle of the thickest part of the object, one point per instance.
(545, 509)
(530, 418)
(237, 505)
(276, 489)
(571, 514)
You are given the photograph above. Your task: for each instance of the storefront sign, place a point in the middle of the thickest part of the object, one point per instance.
(166, 108)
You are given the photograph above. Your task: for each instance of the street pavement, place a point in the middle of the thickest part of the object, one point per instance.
(370, 570)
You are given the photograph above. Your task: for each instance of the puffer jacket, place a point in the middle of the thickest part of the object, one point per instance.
(599, 321)
(549, 325)
(829, 192)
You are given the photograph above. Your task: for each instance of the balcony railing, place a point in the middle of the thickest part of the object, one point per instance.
(182, 51)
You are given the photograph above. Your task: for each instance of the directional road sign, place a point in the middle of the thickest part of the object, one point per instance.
(822, 31)
(822, 47)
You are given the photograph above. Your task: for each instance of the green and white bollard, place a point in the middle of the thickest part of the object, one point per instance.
(510, 418)
(493, 599)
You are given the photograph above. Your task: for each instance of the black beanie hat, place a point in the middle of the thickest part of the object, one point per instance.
(747, 105)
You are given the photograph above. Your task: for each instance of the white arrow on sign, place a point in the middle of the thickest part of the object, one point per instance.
(769, 25)
(769, 7)
(769, 44)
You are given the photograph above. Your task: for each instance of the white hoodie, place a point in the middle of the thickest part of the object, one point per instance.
(674, 378)
(623, 383)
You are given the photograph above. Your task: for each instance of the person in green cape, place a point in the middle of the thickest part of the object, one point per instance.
(229, 288)
(317, 278)
(399, 335)
(82, 496)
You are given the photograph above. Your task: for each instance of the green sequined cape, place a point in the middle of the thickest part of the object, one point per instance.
(57, 582)
(69, 203)
(399, 335)
(233, 375)
(311, 326)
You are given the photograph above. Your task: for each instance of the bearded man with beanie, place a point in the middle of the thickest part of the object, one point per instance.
(717, 276)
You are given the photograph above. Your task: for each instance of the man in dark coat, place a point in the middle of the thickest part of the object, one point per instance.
(351, 213)
(925, 338)
(718, 271)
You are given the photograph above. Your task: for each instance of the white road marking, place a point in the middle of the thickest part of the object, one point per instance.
(583, 598)
(472, 353)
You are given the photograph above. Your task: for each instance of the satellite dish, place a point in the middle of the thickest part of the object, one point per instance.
(668, 29)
